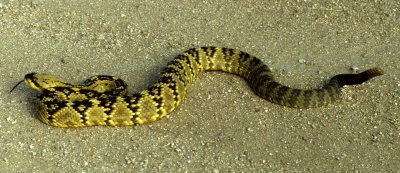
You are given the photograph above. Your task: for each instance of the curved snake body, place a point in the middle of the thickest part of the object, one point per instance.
(102, 100)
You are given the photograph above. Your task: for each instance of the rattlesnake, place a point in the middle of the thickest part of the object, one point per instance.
(102, 100)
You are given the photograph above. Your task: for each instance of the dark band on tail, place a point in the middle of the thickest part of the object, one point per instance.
(355, 79)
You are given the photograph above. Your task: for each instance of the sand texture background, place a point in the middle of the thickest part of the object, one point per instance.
(221, 126)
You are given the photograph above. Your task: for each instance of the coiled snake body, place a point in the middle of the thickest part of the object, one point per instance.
(102, 100)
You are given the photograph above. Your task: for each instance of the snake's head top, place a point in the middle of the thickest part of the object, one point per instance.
(43, 81)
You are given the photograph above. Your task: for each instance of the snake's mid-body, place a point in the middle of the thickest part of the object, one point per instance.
(102, 100)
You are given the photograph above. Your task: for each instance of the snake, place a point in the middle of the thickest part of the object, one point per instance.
(103, 100)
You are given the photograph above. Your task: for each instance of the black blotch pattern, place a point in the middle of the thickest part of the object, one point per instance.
(107, 103)
(171, 69)
(243, 57)
(255, 76)
(86, 104)
(195, 55)
(177, 64)
(186, 59)
(133, 101)
(210, 51)
(159, 101)
(293, 96)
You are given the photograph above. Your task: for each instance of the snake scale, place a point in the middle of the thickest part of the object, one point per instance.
(103, 100)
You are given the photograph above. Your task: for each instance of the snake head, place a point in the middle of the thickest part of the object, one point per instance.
(43, 81)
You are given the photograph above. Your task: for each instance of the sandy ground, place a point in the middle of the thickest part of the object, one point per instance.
(221, 126)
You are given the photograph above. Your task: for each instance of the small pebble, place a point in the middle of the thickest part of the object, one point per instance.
(64, 60)
(354, 69)
(215, 170)
(36, 2)
(302, 61)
